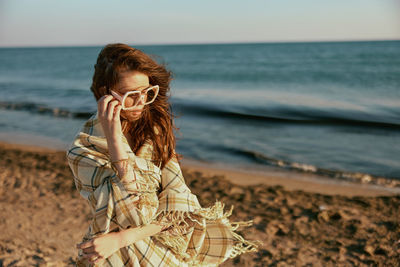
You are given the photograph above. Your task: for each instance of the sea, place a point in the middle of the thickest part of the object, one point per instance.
(330, 108)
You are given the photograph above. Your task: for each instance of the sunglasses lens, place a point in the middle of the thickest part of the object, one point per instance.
(132, 100)
(151, 95)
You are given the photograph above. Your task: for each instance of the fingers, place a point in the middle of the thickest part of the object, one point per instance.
(106, 107)
(86, 244)
(98, 260)
(89, 251)
(93, 257)
(117, 113)
(87, 247)
(111, 109)
(102, 104)
(109, 112)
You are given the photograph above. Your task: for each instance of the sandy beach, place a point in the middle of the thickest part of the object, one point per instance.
(303, 220)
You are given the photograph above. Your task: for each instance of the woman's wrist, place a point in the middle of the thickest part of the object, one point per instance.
(118, 239)
(114, 138)
(131, 235)
(127, 237)
(119, 236)
(116, 149)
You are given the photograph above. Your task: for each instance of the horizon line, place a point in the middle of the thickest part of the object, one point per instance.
(205, 43)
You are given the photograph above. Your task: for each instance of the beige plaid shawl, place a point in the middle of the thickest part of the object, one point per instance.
(196, 236)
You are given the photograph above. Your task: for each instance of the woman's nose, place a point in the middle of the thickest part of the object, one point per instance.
(142, 100)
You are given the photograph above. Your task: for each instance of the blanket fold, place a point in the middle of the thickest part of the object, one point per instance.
(193, 236)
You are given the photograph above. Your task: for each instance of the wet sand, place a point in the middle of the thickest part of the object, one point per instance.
(302, 220)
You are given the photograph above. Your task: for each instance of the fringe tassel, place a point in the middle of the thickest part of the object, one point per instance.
(242, 245)
(176, 238)
(145, 184)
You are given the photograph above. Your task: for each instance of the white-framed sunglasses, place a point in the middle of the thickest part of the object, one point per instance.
(131, 99)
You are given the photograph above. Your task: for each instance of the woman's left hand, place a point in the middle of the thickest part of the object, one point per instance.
(100, 248)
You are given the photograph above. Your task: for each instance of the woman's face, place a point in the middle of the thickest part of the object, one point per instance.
(132, 81)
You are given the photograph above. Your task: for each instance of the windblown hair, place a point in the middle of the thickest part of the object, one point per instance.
(117, 58)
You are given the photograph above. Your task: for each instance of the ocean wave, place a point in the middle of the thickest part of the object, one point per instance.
(301, 167)
(44, 109)
(288, 114)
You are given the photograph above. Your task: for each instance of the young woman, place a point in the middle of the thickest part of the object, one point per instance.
(124, 163)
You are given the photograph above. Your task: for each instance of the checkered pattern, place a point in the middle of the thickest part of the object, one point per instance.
(195, 236)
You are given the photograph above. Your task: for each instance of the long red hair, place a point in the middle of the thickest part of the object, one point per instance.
(117, 58)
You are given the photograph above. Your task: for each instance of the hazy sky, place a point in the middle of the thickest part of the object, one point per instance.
(97, 22)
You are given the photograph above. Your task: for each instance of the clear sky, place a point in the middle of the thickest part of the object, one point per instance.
(97, 22)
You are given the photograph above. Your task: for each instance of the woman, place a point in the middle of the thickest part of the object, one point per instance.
(125, 165)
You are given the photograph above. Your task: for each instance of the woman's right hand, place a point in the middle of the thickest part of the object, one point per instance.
(109, 110)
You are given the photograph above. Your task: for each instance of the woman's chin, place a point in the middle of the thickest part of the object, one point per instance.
(131, 116)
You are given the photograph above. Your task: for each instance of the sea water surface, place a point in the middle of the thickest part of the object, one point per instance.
(331, 107)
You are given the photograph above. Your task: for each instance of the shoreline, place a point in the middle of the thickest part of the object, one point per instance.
(289, 180)
(299, 223)
(316, 180)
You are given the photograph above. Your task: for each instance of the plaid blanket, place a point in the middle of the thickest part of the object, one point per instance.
(196, 236)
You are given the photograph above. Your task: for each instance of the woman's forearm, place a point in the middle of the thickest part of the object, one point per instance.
(116, 151)
(132, 235)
